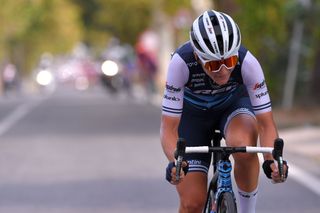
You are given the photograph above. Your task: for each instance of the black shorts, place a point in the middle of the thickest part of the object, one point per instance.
(197, 126)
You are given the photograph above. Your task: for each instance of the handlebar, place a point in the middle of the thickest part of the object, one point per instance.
(276, 152)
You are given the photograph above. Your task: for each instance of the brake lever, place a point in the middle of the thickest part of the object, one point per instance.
(277, 155)
(179, 155)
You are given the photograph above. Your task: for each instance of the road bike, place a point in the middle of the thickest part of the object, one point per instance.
(220, 195)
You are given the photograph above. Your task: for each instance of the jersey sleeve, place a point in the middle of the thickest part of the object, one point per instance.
(254, 80)
(177, 77)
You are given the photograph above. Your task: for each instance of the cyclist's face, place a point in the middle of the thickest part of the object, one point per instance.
(222, 74)
(220, 77)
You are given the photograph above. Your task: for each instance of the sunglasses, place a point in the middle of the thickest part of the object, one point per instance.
(214, 66)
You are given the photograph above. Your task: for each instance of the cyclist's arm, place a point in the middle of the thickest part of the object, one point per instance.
(172, 104)
(256, 85)
(169, 135)
(267, 131)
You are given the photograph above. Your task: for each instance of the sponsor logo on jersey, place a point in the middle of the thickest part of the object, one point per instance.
(171, 98)
(197, 80)
(198, 75)
(194, 162)
(259, 85)
(191, 64)
(172, 89)
(212, 92)
(260, 95)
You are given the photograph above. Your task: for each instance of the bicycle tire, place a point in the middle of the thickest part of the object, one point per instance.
(211, 194)
(208, 206)
(226, 203)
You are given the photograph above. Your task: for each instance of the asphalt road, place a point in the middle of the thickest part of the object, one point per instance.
(89, 152)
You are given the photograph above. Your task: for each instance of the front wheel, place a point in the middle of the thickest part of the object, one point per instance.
(226, 203)
(210, 203)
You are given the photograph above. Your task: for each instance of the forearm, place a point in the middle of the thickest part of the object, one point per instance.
(267, 133)
(169, 137)
(267, 138)
(168, 142)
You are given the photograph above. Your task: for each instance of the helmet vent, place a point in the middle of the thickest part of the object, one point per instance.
(205, 35)
(229, 25)
(217, 30)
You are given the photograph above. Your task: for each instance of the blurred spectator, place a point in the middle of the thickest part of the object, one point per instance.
(146, 50)
(124, 56)
(9, 77)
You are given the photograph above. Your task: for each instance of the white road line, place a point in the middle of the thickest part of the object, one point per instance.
(16, 115)
(306, 179)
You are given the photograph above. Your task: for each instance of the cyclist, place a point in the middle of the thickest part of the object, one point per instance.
(213, 82)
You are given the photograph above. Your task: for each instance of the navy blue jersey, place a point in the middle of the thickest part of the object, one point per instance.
(187, 81)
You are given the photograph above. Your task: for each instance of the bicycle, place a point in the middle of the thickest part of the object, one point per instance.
(220, 194)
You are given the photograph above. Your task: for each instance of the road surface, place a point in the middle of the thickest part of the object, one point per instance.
(90, 152)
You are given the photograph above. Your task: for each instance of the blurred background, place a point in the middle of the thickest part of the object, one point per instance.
(71, 39)
(80, 77)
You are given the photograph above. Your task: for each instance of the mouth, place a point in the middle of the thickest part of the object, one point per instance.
(220, 76)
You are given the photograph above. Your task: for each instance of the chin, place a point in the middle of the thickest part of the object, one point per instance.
(220, 82)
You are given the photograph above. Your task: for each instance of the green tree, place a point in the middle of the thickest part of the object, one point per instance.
(30, 28)
(119, 18)
(265, 33)
(309, 75)
(122, 19)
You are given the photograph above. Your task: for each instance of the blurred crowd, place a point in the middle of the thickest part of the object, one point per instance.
(119, 68)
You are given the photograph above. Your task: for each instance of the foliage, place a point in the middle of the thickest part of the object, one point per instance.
(265, 33)
(114, 18)
(266, 27)
(172, 6)
(30, 28)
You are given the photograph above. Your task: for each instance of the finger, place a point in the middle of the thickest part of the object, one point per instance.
(276, 175)
(276, 178)
(175, 182)
(174, 178)
(274, 167)
(173, 170)
(181, 173)
(184, 163)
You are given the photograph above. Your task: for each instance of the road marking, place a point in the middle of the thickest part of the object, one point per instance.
(16, 115)
(303, 177)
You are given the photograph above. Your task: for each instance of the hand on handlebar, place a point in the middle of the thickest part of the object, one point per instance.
(275, 175)
(271, 170)
(171, 172)
(177, 170)
(277, 169)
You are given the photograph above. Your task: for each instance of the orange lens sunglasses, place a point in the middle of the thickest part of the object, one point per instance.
(214, 66)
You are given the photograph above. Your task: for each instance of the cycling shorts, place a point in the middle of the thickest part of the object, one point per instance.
(197, 126)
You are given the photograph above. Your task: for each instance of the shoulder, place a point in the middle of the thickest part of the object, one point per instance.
(185, 51)
(250, 62)
(242, 53)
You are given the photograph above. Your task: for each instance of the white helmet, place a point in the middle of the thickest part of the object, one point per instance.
(215, 36)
